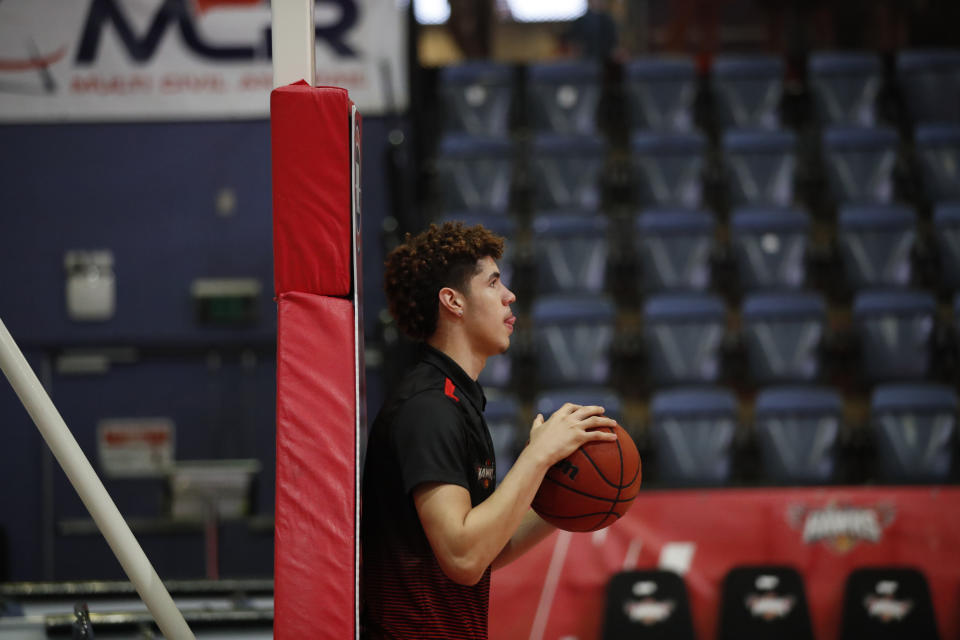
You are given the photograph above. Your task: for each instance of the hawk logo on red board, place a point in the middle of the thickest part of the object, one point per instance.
(841, 526)
(769, 606)
(486, 473)
(648, 611)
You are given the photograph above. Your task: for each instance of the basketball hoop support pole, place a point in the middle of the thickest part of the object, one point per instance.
(294, 42)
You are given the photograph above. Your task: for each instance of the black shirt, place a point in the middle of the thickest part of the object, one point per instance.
(430, 430)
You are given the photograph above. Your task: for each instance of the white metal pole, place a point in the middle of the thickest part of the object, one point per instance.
(294, 42)
(95, 497)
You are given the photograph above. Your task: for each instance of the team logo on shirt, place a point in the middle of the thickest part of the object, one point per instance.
(486, 472)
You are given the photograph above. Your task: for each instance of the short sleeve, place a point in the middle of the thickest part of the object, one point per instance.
(429, 437)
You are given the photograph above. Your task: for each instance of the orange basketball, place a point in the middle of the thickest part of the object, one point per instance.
(592, 487)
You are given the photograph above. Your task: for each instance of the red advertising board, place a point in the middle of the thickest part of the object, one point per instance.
(557, 590)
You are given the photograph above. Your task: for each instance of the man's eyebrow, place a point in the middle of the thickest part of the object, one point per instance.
(493, 276)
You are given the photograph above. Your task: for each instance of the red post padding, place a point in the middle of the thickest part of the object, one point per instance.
(310, 141)
(314, 572)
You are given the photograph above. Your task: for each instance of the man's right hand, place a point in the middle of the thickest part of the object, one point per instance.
(568, 428)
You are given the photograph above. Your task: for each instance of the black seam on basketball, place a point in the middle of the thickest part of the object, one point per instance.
(600, 473)
(583, 493)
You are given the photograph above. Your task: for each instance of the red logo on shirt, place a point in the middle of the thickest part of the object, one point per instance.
(449, 388)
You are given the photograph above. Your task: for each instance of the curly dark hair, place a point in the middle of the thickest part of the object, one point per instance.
(440, 256)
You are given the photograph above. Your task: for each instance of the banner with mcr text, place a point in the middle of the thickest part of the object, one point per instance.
(127, 60)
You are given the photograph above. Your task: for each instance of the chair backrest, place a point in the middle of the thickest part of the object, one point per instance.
(798, 429)
(760, 167)
(887, 603)
(895, 330)
(565, 171)
(502, 415)
(650, 604)
(476, 98)
(573, 339)
(764, 602)
(475, 172)
(783, 333)
(549, 400)
(770, 247)
(674, 247)
(748, 90)
(946, 222)
(876, 245)
(860, 163)
(660, 93)
(563, 97)
(938, 152)
(668, 168)
(845, 87)
(692, 430)
(682, 333)
(929, 82)
(915, 428)
(570, 253)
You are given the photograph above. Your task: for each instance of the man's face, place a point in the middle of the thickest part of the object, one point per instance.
(487, 316)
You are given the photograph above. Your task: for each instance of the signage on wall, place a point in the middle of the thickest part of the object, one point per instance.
(135, 447)
(184, 59)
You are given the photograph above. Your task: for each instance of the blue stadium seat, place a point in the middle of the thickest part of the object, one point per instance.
(915, 427)
(946, 222)
(476, 97)
(747, 90)
(682, 334)
(573, 340)
(845, 86)
(860, 163)
(502, 415)
(475, 172)
(549, 400)
(668, 168)
(565, 171)
(570, 253)
(930, 84)
(798, 429)
(783, 333)
(760, 167)
(876, 245)
(938, 152)
(674, 247)
(770, 247)
(562, 97)
(660, 93)
(895, 330)
(692, 429)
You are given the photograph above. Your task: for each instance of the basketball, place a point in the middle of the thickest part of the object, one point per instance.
(592, 487)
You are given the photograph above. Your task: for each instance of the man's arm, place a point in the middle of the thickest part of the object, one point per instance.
(465, 539)
(531, 531)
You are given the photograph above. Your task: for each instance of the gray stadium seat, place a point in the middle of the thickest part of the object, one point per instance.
(562, 97)
(476, 98)
(895, 331)
(573, 340)
(674, 247)
(682, 334)
(876, 245)
(475, 172)
(770, 247)
(929, 82)
(860, 163)
(570, 253)
(565, 171)
(760, 167)
(845, 86)
(748, 90)
(783, 333)
(660, 93)
(938, 152)
(668, 168)
(946, 222)
(549, 400)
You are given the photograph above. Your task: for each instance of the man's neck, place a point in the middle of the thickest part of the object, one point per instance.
(458, 350)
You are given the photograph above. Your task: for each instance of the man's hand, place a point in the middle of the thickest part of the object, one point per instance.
(568, 428)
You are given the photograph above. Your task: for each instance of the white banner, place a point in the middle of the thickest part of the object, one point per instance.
(127, 60)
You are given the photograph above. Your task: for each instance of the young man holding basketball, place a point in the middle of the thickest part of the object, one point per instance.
(433, 522)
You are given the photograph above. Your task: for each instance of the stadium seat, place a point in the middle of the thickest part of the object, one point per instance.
(876, 245)
(674, 247)
(476, 98)
(747, 91)
(760, 167)
(650, 604)
(770, 247)
(798, 430)
(929, 82)
(860, 163)
(668, 168)
(946, 223)
(502, 415)
(938, 152)
(692, 429)
(573, 339)
(660, 93)
(887, 603)
(565, 171)
(845, 87)
(549, 400)
(682, 334)
(764, 603)
(915, 427)
(783, 333)
(570, 253)
(895, 330)
(475, 172)
(563, 97)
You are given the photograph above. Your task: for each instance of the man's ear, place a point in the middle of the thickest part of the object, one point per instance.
(452, 301)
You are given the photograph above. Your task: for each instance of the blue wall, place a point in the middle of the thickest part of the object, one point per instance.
(147, 192)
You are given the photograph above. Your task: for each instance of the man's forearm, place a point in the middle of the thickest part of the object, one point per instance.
(531, 531)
